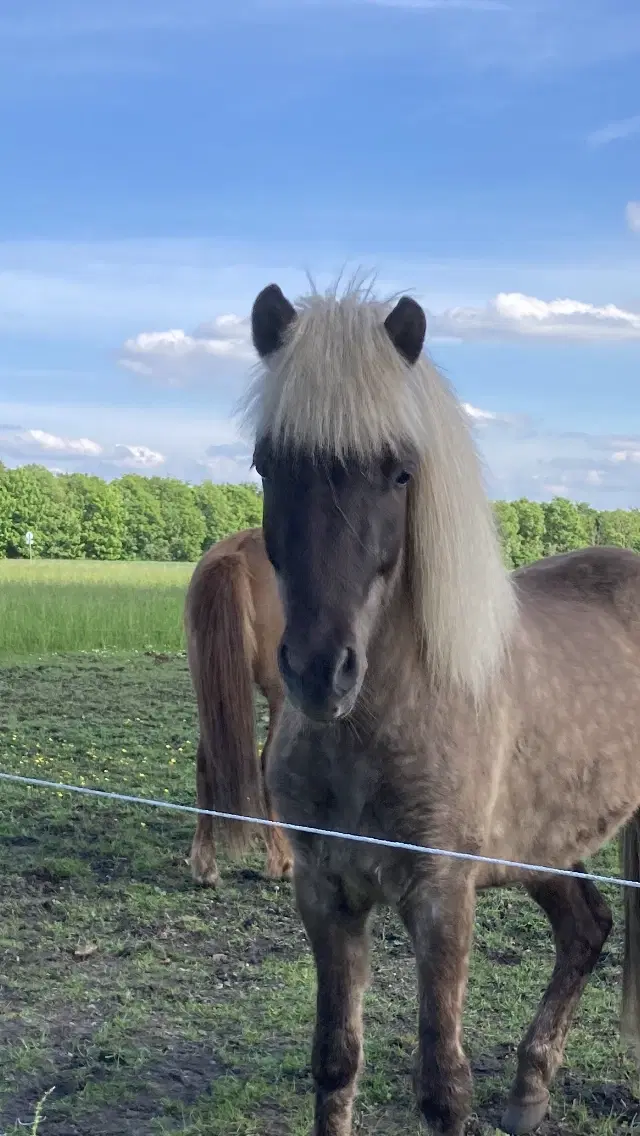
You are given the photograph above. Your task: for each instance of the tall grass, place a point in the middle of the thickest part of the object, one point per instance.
(84, 605)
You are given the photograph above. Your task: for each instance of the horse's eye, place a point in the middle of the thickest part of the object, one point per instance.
(394, 473)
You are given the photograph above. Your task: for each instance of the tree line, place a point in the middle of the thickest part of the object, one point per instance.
(75, 516)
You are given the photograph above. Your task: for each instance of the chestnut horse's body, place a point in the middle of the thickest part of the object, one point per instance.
(234, 621)
(432, 697)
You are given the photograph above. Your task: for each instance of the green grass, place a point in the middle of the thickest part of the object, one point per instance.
(158, 1009)
(83, 605)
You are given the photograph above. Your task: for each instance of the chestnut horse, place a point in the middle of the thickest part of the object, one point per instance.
(432, 697)
(233, 621)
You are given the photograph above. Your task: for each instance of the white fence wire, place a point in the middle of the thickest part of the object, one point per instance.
(400, 846)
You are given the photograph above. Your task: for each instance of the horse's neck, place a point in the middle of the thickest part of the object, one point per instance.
(400, 686)
(393, 655)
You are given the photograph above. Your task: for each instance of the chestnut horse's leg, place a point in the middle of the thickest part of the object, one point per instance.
(439, 919)
(337, 931)
(581, 921)
(203, 849)
(279, 853)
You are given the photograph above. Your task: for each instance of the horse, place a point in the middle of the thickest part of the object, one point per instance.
(233, 622)
(432, 697)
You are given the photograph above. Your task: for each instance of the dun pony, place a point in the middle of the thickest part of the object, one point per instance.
(432, 697)
(233, 620)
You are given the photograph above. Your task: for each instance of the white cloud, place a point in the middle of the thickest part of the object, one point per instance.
(485, 417)
(41, 446)
(512, 315)
(601, 469)
(621, 456)
(33, 443)
(223, 346)
(182, 442)
(175, 356)
(138, 457)
(477, 415)
(615, 131)
(51, 443)
(521, 458)
(108, 292)
(632, 214)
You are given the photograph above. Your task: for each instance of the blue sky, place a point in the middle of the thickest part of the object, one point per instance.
(162, 161)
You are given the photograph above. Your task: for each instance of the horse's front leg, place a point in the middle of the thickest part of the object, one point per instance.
(438, 913)
(337, 929)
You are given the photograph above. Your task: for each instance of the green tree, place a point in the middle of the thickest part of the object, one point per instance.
(38, 503)
(250, 501)
(508, 531)
(617, 527)
(183, 524)
(228, 509)
(143, 535)
(98, 508)
(634, 529)
(564, 527)
(4, 512)
(590, 521)
(531, 530)
(160, 518)
(217, 512)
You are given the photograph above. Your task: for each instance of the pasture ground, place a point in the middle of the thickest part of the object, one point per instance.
(157, 1008)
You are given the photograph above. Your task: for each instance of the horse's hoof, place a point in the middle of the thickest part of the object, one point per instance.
(520, 1117)
(456, 1129)
(204, 875)
(209, 879)
(280, 871)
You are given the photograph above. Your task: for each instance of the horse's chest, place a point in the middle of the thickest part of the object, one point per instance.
(336, 798)
(322, 787)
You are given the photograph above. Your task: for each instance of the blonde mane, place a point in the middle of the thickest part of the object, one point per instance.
(338, 386)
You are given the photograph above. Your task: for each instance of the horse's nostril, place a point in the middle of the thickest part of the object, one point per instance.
(346, 670)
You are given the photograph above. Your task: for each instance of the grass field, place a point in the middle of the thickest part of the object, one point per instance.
(156, 1008)
(150, 1007)
(84, 605)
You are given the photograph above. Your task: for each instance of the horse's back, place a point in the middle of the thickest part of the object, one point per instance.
(603, 578)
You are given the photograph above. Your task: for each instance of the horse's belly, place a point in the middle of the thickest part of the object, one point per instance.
(567, 791)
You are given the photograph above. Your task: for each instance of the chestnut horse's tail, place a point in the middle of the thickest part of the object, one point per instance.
(220, 617)
(630, 867)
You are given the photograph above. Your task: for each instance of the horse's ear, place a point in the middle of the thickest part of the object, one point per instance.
(406, 327)
(271, 315)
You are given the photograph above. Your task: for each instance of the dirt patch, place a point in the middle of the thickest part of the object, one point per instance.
(182, 1075)
(504, 958)
(603, 1101)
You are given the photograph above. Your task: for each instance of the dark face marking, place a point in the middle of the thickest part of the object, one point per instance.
(334, 533)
